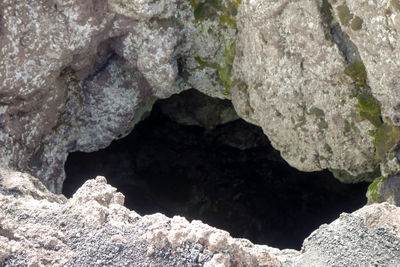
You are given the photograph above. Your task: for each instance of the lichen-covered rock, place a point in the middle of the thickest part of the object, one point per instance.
(385, 189)
(96, 112)
(314, 82)
(289, 78)
(209, 42)
(139, 9)
(76, 75)
(38, 40)
(373, 27)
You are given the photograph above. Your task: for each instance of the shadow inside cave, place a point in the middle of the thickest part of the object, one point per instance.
(229, 177)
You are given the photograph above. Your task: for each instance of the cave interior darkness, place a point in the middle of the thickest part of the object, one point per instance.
(229, 177)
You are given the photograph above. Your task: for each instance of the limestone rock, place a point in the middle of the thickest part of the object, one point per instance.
(289, 79)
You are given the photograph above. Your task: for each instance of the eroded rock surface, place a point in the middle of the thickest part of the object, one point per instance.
(77, 75)
(347, 240)
(373, 28)
(94, 229)
(289, 80)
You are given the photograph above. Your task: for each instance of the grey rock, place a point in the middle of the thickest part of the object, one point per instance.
(377, 40)
(94, 229)
(99, 66)
(288, 78)
(208, 44)
(385, 189)
(76, 75)
(367, 237)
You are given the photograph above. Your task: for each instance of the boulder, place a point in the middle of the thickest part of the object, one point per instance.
(288, 78)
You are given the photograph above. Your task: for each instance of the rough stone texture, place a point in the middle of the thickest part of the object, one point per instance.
(289, 79)
(96, 112)
(208, 48)
(76, 75)
(385, 189)
(377, 40)
(367, 237)
(373, 26)
(38, 228)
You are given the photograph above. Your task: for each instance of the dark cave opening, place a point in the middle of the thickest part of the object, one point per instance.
(229, 177)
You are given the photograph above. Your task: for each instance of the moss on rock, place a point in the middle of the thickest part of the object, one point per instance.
(224, 12)
(357, 72)
(356, 23)
(369, 109)
(386, 136)
(386, 139)
(373, 190)
(344, 14)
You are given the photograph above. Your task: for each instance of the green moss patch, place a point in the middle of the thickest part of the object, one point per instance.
(225, 13)
(348, 19)
(208, 9)
(344, 14)
(357, 72)
(369, 109)
(387, 137)
(224, 67)
(356, 23)
(373, 190)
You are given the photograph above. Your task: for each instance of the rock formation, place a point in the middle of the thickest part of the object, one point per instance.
(319, 77)
(306, 72)
(39, 228)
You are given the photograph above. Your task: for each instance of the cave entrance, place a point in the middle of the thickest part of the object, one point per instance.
(228, 176)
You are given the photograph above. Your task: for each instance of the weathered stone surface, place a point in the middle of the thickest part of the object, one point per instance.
(93, 228)
(385, 189)
(369, 236)
(76, 75)
(289, 79)
(377, 39)
(98, 67)
(373, 27)
(208, 47)
(38, 40)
